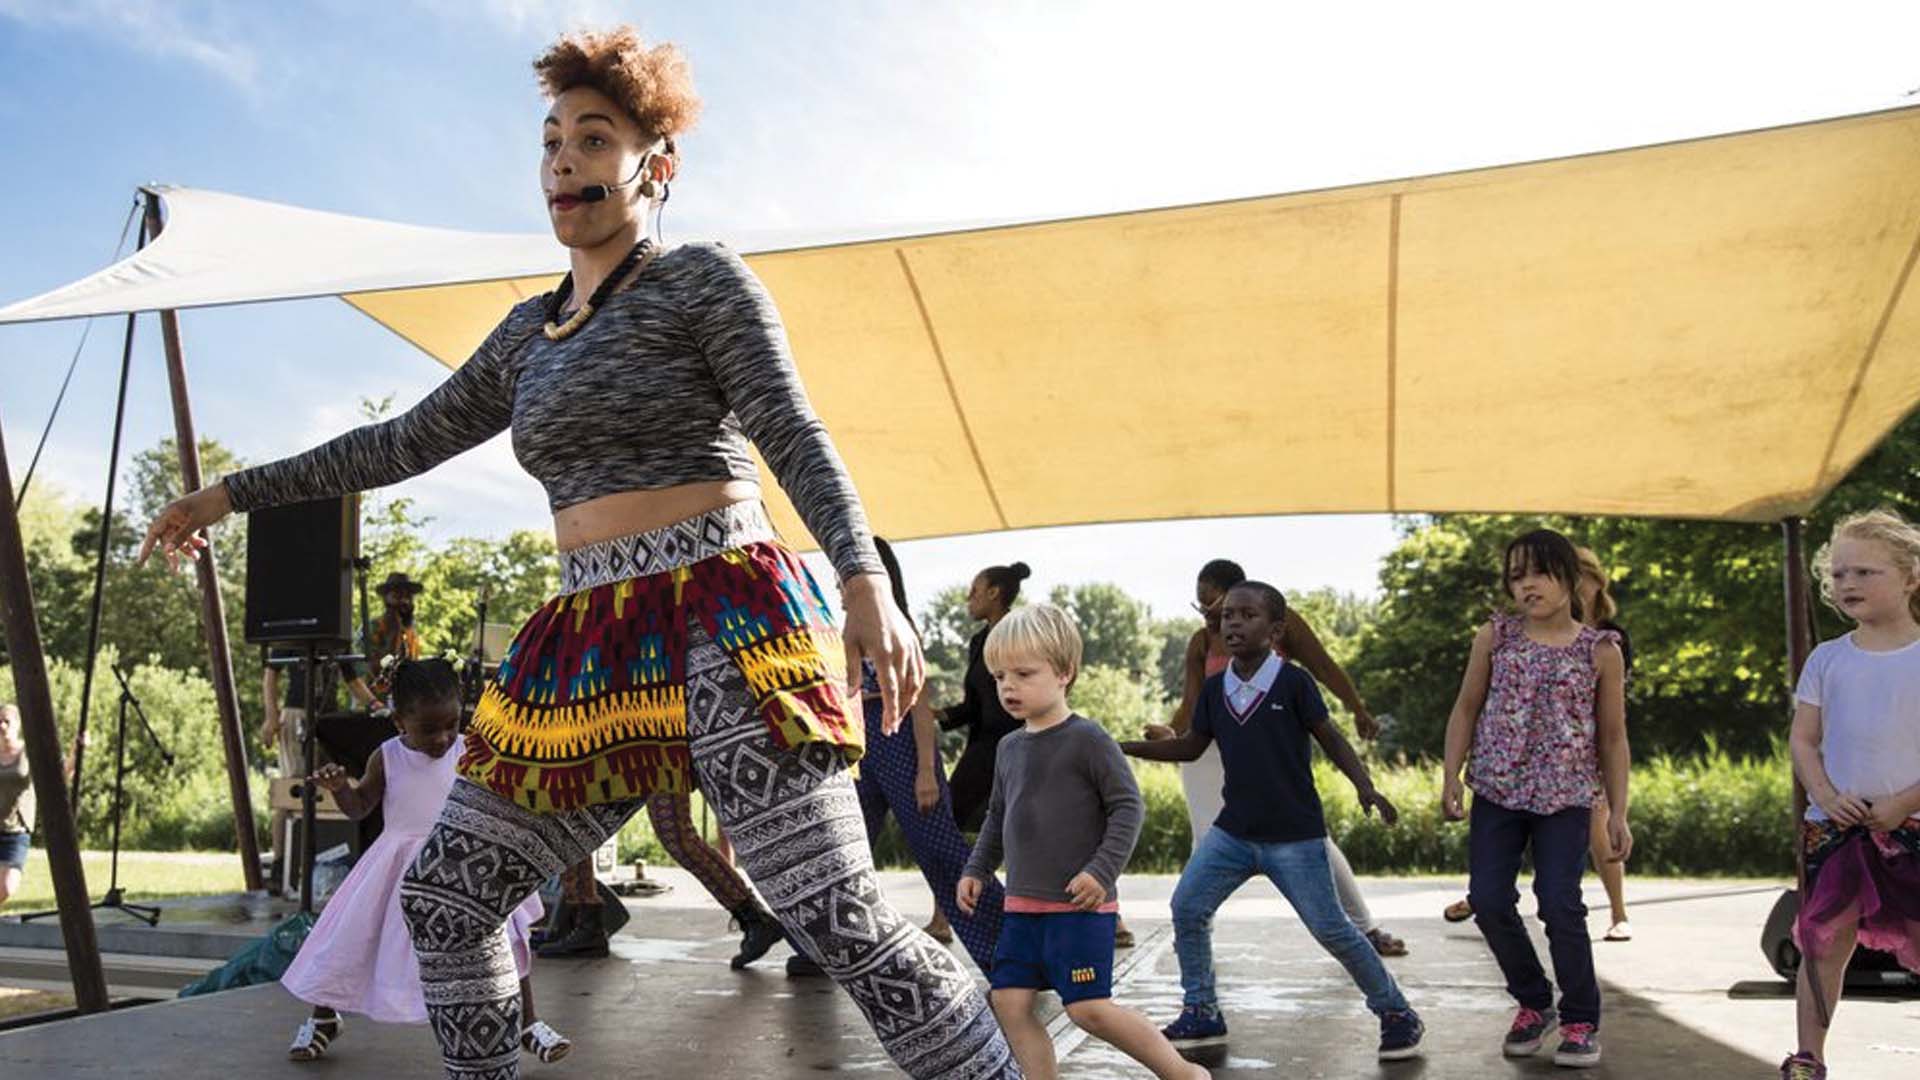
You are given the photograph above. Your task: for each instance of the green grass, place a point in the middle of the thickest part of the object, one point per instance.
(144, 875)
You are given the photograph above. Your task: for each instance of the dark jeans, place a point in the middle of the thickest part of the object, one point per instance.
(1497, 839)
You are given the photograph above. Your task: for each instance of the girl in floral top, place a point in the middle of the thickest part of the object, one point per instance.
(1543, 709)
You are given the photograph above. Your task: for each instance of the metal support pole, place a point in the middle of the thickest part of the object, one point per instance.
(213, 612)
(42, 733)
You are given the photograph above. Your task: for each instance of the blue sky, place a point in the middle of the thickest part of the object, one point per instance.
(823, 118)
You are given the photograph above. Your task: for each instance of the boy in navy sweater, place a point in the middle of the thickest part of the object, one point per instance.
(1261, 711)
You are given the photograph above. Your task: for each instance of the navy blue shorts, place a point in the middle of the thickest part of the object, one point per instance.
(1070, 953)
(13, 849)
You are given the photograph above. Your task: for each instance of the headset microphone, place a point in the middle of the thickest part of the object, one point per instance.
(657, 168)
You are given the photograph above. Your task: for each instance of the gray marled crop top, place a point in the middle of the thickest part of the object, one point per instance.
(662, 386)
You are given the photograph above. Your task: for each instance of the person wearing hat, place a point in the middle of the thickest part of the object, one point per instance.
(392, 633)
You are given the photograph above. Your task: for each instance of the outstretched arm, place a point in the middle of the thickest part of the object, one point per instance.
(1298, 641)
(1186, 747)
(1341, 753)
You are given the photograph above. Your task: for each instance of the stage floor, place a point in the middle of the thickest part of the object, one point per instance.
(1691, 996)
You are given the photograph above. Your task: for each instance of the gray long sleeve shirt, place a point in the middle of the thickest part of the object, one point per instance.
(1064, 801)
(663, 387)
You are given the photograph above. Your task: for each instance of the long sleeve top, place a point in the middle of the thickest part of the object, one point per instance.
(979, 711)
(1064, 801)
(664, 385)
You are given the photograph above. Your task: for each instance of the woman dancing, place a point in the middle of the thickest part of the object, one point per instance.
(687, 638)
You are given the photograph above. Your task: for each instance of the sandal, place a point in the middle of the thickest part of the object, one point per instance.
(1459, 911)
(1386, 944)
(1123, 938)
(1620, 931)
(311, 1041)
(540, 1040)
(940, 931)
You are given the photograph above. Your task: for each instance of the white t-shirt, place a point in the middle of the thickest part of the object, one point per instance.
(1869, 717)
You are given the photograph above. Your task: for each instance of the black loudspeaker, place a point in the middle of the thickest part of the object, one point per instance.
(300, 573)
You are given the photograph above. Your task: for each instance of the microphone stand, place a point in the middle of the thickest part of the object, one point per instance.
(115, 898)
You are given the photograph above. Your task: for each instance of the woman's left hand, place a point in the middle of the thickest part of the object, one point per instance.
(926, 791)
(877, 631)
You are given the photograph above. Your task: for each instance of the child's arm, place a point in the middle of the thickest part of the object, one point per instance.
(356, 800)
(1460, 723)
(986, 847)
(1298, 641)
(1313, 713)
(1893, 811)
(1610, 730)
(1804, 743)
(1126, 810)
(1186, 747)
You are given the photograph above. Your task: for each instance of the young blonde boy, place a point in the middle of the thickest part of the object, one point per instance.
(1065, 812)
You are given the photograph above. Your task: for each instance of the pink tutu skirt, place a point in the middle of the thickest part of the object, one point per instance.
(1871, 879)
(359, 957)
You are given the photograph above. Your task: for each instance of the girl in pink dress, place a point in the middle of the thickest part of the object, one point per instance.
(359, 957)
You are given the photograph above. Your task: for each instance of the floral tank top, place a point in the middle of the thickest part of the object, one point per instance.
(1534, 748)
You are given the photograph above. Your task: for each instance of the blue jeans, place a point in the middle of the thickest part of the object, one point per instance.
(1496, 839)
(1300, 871)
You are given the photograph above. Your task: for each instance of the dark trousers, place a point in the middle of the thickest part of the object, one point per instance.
(1496, 840)
(972, 781)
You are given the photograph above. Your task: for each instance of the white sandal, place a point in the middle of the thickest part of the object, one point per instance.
(315, 1035)
(1620, 931)
(540, 1040)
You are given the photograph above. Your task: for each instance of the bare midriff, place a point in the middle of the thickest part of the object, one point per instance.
(627, 512)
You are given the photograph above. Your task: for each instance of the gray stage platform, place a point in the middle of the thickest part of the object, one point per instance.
(1690, 998)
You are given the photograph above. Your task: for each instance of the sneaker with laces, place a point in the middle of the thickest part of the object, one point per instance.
(1197, 1025)
(1529, 1030)
(1579, 1046)
(1400, 1034)
(1802, 1066)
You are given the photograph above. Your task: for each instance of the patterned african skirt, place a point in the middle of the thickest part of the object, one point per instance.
(1863, 880)
(589, 705)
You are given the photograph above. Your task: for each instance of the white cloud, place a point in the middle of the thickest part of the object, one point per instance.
(156, 28)
(522, 16)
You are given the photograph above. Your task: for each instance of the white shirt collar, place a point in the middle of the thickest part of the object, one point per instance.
(1242, 693)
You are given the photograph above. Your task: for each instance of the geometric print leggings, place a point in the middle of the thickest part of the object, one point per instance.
(796, 827)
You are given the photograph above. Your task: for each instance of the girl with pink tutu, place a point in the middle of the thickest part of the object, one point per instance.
(1856, 749)
(359, 957)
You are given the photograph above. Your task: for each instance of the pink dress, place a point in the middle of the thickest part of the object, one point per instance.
(359, 957)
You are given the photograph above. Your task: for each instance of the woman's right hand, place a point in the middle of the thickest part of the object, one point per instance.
(176, 529)
(967, 894)
(1453, 799)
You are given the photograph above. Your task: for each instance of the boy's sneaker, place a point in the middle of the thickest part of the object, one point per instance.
(1579, 1046)
(1802, 1066)
(1529, 1030)
(1400, 1035)
(1198, 1025)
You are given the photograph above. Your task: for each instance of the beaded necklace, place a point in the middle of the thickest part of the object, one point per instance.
(642, 254)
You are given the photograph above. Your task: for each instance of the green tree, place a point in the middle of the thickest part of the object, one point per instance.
(1702, 601)
(1174, 634)
(1122, 703)
(1116, 630)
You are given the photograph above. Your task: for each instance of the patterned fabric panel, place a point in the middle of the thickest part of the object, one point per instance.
(590, 703)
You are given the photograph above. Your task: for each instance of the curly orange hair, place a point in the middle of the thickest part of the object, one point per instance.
(652, 84)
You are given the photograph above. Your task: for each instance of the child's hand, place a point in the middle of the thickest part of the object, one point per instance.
(1845, 810)
(1886, 815)
(968, 894)
(1619, 837)
(926, 791)
(332, 777)
(1156, 732)
(1453, 798)
(1087, 892)
(1372, 800)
